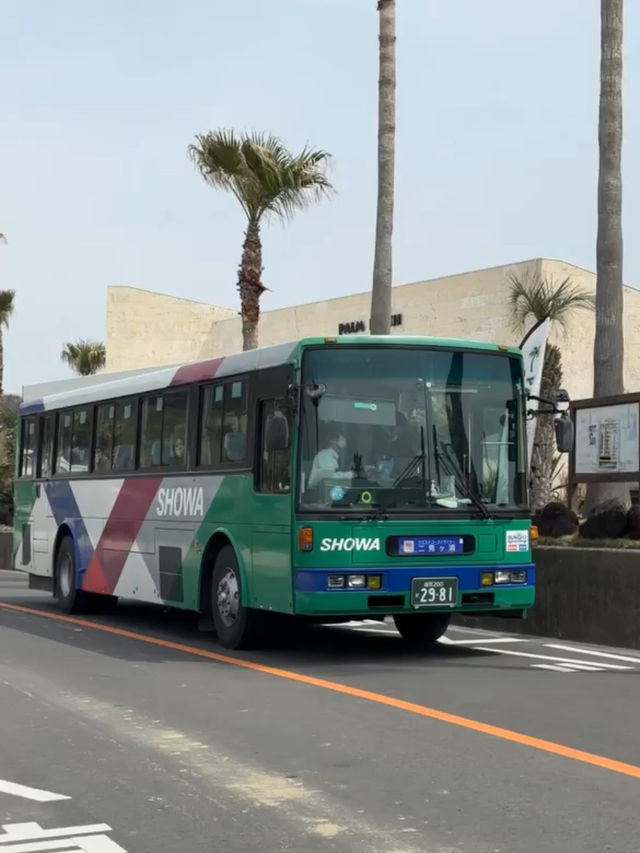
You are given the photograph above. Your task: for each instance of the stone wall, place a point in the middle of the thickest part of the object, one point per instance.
(589, 595)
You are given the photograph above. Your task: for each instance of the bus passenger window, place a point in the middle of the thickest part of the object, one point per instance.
(105, 416)
(28, 447)
(63, 443)
(151, 432)
(45, 461)
(174, 429)
(124, 436)
(211, 401)
(234, 425)
(80, 441)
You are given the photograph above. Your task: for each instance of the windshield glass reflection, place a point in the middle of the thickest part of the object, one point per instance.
(402, 429)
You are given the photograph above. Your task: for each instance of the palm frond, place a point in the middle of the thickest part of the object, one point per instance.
(533, 297)
(262, 174)
(84, 357)
(6, 306)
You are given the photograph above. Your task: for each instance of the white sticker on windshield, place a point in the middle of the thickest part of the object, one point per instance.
(517, 540)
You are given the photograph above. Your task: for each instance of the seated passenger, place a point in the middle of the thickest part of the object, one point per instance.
(177, 449)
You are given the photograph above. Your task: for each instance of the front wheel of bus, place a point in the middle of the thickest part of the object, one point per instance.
(237, 626)
(420, 630)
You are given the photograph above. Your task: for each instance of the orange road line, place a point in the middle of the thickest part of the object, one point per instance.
(558, 749)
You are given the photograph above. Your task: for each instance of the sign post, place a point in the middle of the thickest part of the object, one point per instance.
(607, 441)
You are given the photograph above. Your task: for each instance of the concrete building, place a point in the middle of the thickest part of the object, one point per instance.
(145, 329)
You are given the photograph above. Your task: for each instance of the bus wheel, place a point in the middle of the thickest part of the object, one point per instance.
(70, 599)
(237, 626)
(421, 629)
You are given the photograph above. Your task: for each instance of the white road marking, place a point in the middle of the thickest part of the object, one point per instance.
(481, 632)
(86, 839)
(27, 793)
(486, 643)
(447, 641)
(592, 652)
(565, 661)
(389, 632)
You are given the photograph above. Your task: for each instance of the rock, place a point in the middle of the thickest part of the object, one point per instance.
(608, 520)
(556, 519)
(633, 522)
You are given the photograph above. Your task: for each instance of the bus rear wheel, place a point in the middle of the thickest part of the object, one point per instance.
(237, 626)
(421, 630)
(69, 598)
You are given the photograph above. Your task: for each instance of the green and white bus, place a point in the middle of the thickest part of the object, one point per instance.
(342, 478)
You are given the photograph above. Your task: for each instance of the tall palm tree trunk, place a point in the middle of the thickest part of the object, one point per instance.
(544, 445)
(250, 285)
(382, 265)
(608, 352)
(1, 363)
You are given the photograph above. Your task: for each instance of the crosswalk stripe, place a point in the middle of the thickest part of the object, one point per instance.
(609, 655)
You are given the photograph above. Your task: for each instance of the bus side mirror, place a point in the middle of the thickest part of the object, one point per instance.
(276, 433)
(564, 433)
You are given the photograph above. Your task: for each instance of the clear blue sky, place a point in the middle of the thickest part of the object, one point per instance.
(496, 148)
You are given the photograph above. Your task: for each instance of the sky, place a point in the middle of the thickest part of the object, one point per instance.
(496, 157)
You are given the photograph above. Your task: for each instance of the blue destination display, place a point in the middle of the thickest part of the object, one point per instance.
(431, 545)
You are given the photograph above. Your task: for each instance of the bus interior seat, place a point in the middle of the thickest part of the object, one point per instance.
(234, 446)
(150, 454)
(123, 457)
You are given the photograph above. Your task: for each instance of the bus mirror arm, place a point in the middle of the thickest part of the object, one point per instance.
(563, 425)
(559, 396)
(293, 396)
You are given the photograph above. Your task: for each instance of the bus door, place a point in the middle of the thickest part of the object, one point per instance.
(271, 535)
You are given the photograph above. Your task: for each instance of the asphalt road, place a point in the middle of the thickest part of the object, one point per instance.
(332, 739)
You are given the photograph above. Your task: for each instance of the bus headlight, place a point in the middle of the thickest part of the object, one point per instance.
(518, 577)
(357, 581)
(503, 576)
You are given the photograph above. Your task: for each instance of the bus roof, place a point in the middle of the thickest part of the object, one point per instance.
(106, 386)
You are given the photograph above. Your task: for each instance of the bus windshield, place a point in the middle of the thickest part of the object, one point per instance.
(411, 429)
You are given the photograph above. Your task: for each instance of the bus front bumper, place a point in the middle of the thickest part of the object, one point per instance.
(394, 595)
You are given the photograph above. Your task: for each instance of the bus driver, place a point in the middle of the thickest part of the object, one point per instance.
(326, 461)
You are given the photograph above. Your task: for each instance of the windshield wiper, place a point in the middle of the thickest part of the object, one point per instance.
(412, 467)
(447, 457)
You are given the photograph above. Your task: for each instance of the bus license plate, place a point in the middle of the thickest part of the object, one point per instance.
(434, 592)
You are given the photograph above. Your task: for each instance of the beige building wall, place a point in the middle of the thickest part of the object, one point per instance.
(145, 329)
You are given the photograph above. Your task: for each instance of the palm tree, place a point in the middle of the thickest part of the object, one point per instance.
(533, 298)
(268, 182)
(6, 310)
(608, 350)
(84, 357)
(383, 259)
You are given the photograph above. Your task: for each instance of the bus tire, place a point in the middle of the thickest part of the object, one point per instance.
(420, 630)
(237, 626)
(69, 598)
